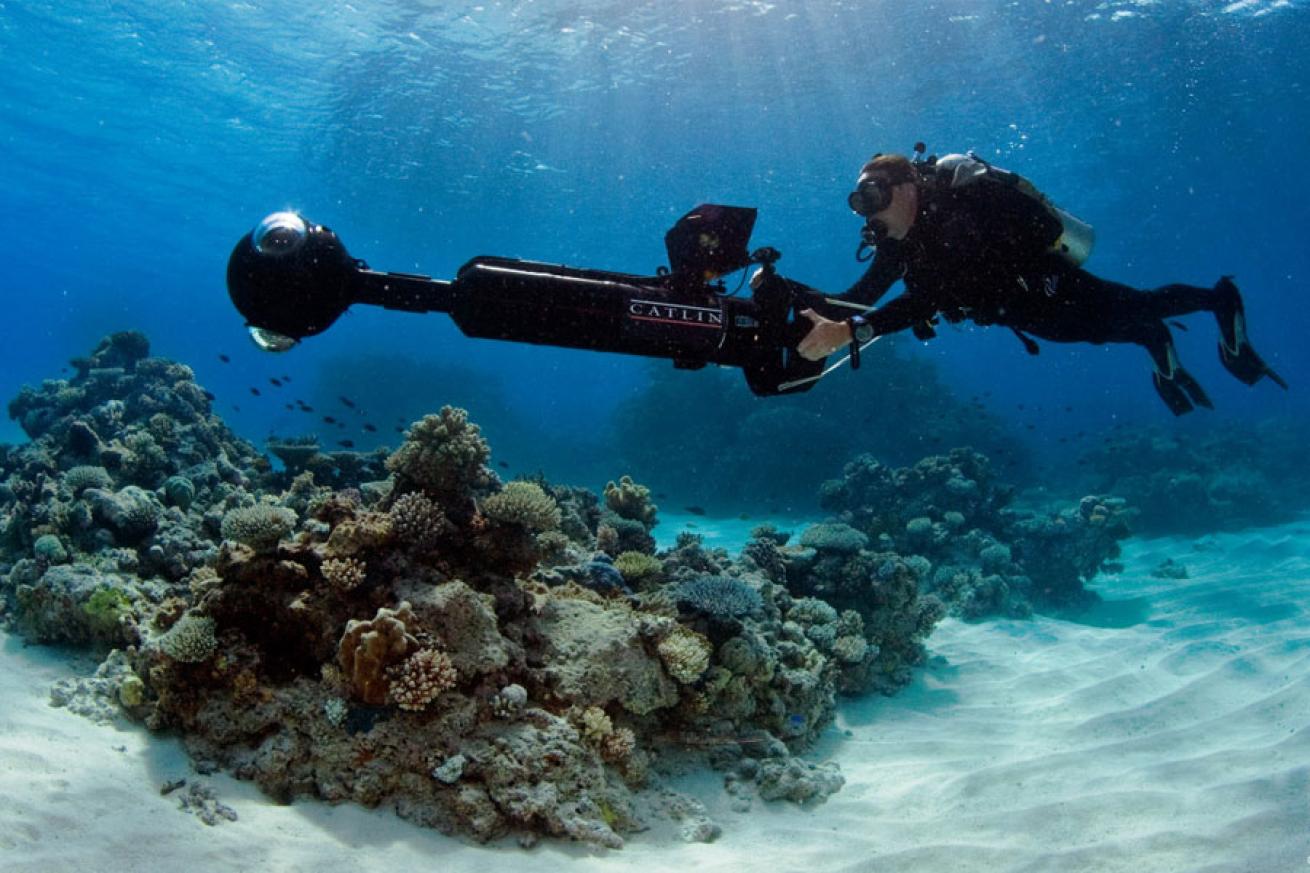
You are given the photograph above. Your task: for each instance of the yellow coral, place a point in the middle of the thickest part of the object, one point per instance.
(525, 504)
(639, 569)
(368, 648)
(596, 725)
(686, 654)
(629, 500)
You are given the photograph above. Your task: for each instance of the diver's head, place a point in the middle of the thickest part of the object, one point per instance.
(886, 197)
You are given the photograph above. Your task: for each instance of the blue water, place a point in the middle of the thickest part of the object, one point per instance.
(139, 140)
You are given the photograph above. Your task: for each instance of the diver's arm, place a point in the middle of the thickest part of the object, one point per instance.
(887, 267)
(827, 335)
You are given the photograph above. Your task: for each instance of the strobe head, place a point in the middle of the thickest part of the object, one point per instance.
(290, 279)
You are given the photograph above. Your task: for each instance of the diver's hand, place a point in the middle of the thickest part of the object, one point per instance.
(824, 338)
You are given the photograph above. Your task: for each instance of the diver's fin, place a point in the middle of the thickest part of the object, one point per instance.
(1193, 388)
(1176, 387)
(1235, 350)
(1173, 393)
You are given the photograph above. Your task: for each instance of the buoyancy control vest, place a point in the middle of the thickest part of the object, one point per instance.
(964, 170)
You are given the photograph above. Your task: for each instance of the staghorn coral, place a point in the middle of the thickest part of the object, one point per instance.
(421, 678)
(369, 648)
(524, 504)
(444, 455)
(260, 527)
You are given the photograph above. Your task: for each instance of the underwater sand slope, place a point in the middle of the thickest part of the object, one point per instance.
(1174, 738)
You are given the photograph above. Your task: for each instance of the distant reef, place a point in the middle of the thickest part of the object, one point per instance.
(1223, 477)
(489, 658)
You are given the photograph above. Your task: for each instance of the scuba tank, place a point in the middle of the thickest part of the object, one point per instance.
(957, 171)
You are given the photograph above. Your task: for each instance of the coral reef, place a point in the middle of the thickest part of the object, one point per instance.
(485, 659)
(947, 521)
(1231, 475)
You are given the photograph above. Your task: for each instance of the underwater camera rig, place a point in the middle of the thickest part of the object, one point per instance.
(292, 279)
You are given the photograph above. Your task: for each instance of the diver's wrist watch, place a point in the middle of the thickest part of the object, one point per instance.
(861, 330)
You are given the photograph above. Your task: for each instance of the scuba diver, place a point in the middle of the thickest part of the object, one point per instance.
(973, 241)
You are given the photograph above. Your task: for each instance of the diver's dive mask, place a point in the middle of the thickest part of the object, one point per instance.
(872, 195)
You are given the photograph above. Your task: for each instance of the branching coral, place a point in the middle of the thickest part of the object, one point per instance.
(720, 597)
(421, 678)
(417, 520)
(443, 455)
(260, 527)
(629, 500)
(686, 654)
(191, 640)
(344, 574)
(524, 504)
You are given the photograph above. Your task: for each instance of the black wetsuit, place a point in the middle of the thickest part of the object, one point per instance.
(983, 252)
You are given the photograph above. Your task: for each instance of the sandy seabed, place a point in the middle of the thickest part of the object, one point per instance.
(1170, 731)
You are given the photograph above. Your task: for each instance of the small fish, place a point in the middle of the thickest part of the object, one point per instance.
(660, 495)
(1031, 426)
(1068, 409)
(690, 524)
(225, 359)
(275, 382)
(743, 517)
(1020, 406)
(290, 408)
(209, 395)
(504, 464)
(346, 444)
(304, 407)
(370, 428)
(1179, 325)
(286, 378)
(327, 419)
(400, 430)
(236, 408)
(695, 510)
(254, 391)
(347, 401)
